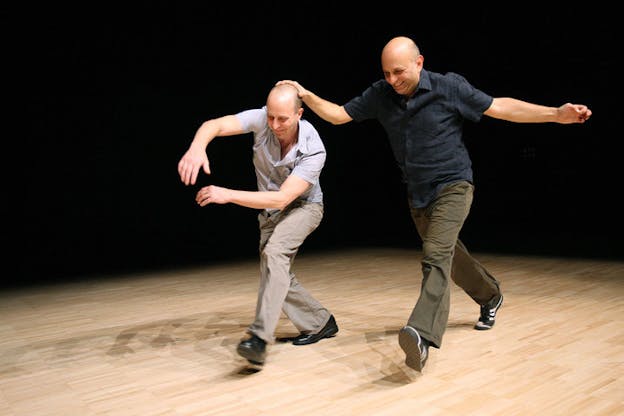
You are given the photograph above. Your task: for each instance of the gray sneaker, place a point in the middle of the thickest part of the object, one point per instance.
(488, 313)
(415, 347)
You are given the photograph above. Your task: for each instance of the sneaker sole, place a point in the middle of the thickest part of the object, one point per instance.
(408, 341)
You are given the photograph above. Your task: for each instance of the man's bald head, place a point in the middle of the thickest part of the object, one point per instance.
(400, 46)
(285, 93)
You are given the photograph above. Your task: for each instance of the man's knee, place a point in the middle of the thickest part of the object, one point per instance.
(273, 251)
(437, 254)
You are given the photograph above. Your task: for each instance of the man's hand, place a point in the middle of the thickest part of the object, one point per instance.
(191, 162)
(573, 113)
(212, 194)
(302, 92)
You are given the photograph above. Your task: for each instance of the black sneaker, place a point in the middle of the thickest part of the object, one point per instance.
(253, 349)
(415, 347)
(488, 313)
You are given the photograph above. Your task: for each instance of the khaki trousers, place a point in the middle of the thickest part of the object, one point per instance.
(281, 235)
(444, 257)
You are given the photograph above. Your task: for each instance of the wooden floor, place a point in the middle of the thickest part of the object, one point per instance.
(164, 343)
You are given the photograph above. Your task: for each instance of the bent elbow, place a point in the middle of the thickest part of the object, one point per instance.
(336, 121)
(282, 205)
(341, 117)
(284, 201)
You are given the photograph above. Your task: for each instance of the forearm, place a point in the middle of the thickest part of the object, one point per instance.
(205, 133)
(290, 189)
(511, 109)
(259, 199)
(250, 199)
(327, 110)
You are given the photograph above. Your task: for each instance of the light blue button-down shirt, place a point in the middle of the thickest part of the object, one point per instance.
(305, 159)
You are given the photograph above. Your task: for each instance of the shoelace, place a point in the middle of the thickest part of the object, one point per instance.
(486, 312)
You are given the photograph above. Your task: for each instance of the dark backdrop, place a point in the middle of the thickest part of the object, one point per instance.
(109, 100)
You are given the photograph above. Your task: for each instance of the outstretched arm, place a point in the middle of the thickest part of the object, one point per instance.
(326, 110)
(292, 187)
(511, 109)
(196, 157)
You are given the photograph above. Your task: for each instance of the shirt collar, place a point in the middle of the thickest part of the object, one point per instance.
(300, 147)
(302, 139)
(425, 81)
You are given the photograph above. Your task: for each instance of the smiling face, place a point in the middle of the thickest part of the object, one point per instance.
(401, 63)
(284, 111)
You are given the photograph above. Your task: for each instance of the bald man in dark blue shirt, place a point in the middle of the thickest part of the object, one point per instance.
(423, 113)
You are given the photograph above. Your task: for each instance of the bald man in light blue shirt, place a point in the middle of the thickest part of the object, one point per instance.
(288, 157)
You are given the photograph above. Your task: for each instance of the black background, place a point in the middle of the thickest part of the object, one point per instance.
(109, 98)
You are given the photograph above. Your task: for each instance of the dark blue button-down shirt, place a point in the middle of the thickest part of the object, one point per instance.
(425, 132)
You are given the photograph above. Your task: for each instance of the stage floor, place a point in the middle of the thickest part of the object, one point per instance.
(164, 343)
